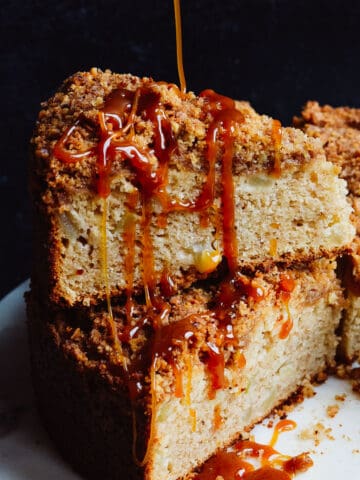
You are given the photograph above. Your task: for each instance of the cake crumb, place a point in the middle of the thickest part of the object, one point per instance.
(332, 410)
(340, 398)
(308, 391)
(321, 378)
(356, 450)
(349, 372)
(317, 433)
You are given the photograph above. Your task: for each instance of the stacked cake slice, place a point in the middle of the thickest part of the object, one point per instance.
(184, 281)
(338, 129)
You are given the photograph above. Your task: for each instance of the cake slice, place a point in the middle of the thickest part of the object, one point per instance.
(338, 129)
(188, 387)
(135, 182)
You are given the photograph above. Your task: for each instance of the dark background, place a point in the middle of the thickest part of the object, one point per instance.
(275, 53)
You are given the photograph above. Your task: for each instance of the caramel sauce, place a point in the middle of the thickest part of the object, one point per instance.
(297, 464)
(286, 326)
(61, 149)
(189, 368)
(179, 49)
(285, 425)
(225, 308)
(174, 334)
(249, 460)
(192, 413)
(215, 364)
(225, 464)
(178, 390)
(129, 237)
(273, 247)
(285, 287)
(218, 420)
(167, 284)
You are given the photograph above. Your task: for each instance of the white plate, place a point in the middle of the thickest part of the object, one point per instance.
(27, 453)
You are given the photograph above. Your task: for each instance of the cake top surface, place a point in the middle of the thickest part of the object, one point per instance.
(74, 114)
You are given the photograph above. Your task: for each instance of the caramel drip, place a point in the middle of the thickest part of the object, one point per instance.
(225, 308)
(273, 247)
(192, 413)
(286, 326)
(228, 200)
(221, 132)
(63, 152)
(188, 381)
(276, 135)
(226, 465)
(167, 284)
(169, 338)
(285, 425)
(215, 364)
(218, 420)
(129, 237)
(285, 287)
(166, 339)
(249, 460)
(179, 48)
(148, 254)
(178, 390)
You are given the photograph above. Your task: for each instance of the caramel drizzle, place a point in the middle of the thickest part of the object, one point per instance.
(286, 286)
(233, 463)
(179, 49)
(285, 425)
(118, 142)
(129, 237)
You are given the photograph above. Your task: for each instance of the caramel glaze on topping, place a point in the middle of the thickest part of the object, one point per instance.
(116, 140)
(116, 131)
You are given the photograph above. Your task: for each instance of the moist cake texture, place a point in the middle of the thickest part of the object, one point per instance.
(195, 401)
(162, 175)
(338, 129)
(184, 282)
